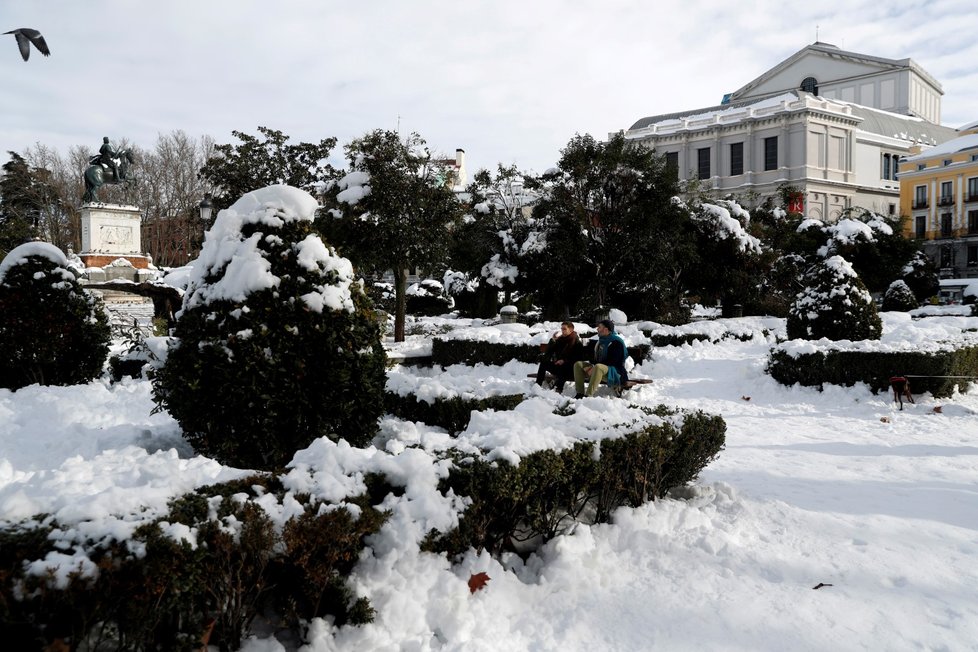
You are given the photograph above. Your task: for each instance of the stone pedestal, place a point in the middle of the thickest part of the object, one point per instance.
(110, 232)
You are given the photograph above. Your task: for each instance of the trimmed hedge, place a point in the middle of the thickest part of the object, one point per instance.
(472, 352)
(452, 414)
(875, 368)
(548, 491)
(155, 592)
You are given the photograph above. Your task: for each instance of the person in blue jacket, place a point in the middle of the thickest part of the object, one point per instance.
(607, 362)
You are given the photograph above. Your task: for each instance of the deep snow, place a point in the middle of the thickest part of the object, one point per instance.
(812, 488)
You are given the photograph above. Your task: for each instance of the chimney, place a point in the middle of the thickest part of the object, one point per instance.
(461, 179)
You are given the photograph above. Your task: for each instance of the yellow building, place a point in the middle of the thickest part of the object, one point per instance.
(939, 191)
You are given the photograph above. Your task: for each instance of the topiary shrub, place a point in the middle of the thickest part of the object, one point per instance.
(899, 296)
(428, 299)
(52, 331)
(835, 305)
(276, 344)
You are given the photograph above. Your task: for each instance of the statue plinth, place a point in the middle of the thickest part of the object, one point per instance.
(110, 232)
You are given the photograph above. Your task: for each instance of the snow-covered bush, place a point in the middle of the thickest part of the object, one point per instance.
(899, 296)
(276, 344)
(427, 298)
(834, 304)
(52, 331)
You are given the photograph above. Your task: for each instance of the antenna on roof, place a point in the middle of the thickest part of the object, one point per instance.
(816, 33)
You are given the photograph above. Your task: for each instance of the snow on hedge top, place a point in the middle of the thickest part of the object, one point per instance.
(19, 255)
(241, 263)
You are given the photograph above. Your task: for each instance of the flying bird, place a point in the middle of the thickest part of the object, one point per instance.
(25, 36)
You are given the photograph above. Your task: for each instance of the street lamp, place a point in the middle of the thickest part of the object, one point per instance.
(206, 208)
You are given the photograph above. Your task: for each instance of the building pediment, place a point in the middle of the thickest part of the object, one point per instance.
(824, 63)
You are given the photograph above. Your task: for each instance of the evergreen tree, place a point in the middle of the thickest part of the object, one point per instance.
(276, 344)
(393, 211)
(899, 297)
(920, 275)
(613, 234)
(252, 164)
(52, 331)
(25, 196)
(835, 305)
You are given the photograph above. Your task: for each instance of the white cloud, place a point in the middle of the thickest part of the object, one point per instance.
(507, 81)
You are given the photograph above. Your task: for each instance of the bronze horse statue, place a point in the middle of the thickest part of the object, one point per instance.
(98, 174)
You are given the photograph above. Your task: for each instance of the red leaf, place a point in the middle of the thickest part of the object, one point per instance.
(477, 581)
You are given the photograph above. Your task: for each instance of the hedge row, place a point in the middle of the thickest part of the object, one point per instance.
(154, 592)
(679, 339)
(472, 352)
(452, 414)
(875, 368)
(548, 491)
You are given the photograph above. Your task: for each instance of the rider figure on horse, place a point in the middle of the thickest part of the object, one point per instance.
(109, 158)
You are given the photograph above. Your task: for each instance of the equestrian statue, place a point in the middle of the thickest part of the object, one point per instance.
(106, 167)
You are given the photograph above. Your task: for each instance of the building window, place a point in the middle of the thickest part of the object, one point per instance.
(672, 164)
(945, 225)
(973, 189)
(703, 163)
(892, 209)
(972, 222)
(920, 197)
(947, 194)
(921, 166)
(736, 159)
(947, 162)
(885, 172)
(771, 153)
(972, 255)
(810, 85)
(920, 227)
(947, 256)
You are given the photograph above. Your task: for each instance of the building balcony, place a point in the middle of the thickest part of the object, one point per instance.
(919, 203)
(970, 198)
(945, 201)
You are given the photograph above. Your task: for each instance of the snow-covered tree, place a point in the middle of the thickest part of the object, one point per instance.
(835, 305)
(392, 211)
(276, 343)
(899, 296)
(52, 331)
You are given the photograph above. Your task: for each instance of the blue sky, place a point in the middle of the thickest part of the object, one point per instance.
(507, 81)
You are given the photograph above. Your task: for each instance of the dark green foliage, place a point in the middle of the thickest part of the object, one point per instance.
(875, 368)
(472, 352)
(252, 381)
(614, 236)
(403, 221)
(452, 414)
(921, 276)
(238, 169)
(428, 300)
(52, 331)
(548, 491)
(26, 196)
(835, 305)
(156, 592)
(899, 297)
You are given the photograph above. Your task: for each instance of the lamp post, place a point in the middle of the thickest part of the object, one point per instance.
(206, 208)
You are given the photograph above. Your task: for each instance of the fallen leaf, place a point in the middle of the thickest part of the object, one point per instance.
(746, 398)
(937, 408)
(820, 585)
(885, 419)
(477, 581)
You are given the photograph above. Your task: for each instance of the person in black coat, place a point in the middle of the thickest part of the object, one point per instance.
(562, 352)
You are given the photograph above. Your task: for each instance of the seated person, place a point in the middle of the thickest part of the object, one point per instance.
(562, 352)
(608, 359)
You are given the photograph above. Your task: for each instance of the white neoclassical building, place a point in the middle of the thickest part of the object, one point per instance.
(833, 124)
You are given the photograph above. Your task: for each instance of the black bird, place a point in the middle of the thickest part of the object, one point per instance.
(25, 36)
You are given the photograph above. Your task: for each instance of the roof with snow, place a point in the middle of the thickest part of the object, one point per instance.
(952, 146)
(870, 120)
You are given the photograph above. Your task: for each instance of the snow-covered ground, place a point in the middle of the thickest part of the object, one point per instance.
(836, 489)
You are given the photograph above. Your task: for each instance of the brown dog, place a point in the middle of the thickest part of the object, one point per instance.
(901, 390)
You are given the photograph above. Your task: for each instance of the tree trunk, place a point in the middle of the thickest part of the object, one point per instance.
(400, 297)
